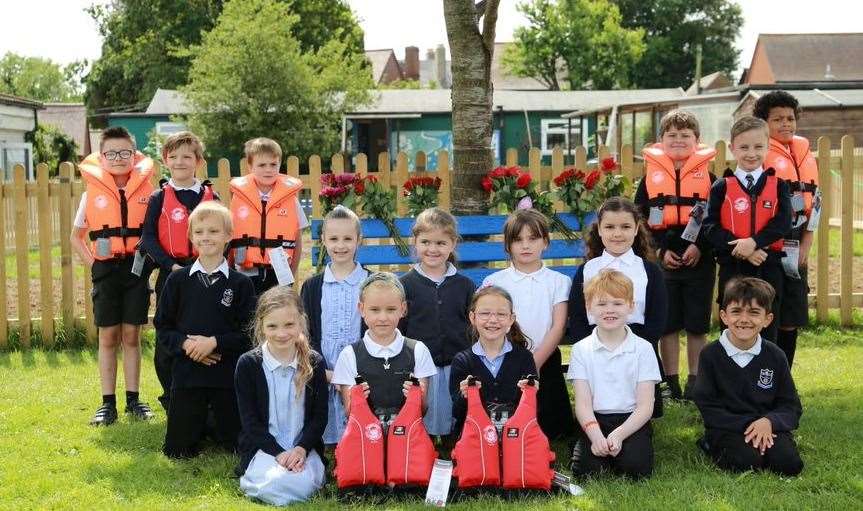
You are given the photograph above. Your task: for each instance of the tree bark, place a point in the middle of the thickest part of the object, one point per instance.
(472, 52)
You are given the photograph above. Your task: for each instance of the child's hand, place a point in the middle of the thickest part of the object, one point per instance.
(615, 443)
(366, 389)
(202, 347)
(760, 434)
(691, 255)
(462, 386)
(599, 447)
(523, 382)
(743, 247)
(295, 461)
(211, 359)
(671, 260)
(757, 258)
(329, 375)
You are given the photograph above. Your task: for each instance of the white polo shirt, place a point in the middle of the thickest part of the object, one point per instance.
(630, 265)
(613, 375)
(740, 357)
(534, 295)
(345, 371)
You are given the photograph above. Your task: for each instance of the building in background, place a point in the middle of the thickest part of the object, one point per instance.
(18, 116)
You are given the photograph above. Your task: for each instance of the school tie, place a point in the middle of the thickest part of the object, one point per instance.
(750, 182)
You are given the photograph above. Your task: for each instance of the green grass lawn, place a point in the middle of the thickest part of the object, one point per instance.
(52, 459)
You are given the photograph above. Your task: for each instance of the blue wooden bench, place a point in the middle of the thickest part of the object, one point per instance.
(467, 251)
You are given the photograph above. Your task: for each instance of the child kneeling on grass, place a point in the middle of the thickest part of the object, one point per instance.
(282, 395)
(202, 317)
(614, 373)
(744, 388)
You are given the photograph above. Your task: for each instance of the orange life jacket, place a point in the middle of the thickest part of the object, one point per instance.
(676, 192)
(795, 164)
(410, 451)
(477, 453)
(260, 225)
(360, 452)
(527, 455)
(744, 215)
(174, 222)
(114, 214)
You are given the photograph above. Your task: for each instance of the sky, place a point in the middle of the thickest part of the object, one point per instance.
(66, 33)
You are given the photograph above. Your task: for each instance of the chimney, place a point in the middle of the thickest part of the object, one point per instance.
(440, 67)
(412, 63)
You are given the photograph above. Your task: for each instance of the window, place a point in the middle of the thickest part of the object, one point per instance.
(166, 129)
(11, 154)
(555, 133)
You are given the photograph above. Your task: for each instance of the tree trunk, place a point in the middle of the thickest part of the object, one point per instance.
(472, 51)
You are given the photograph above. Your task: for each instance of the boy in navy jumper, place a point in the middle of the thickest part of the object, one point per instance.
(165, 234)
(744, 388)
(202, 318)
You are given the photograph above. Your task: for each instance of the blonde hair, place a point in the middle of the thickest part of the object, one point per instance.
(280, 297)
(180, 139)
(210, 208)
(259, 146)
(609, 282)
(748, 123)
(437, 218)
(382, 279)
(342, 213)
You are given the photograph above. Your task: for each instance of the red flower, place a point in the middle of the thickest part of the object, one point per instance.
(372, 179)
(523, 181)
(498, 172)
(409, 185)
(591, 180)
(437, 183)
(359, 187)
(608, 165)
(512, 171)
(579, 175)
(486, 184)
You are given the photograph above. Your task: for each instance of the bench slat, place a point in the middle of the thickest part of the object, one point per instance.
(468, 252)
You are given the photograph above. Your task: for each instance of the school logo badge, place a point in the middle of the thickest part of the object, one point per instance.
(489, 434)
(227, 297)
(657, 177)
(283, 212)
(243, 211)
(143, 200)
(373, 432)
(741, 205)
(512, 433)
(765, 379)
(101, 201)
(178, 215)
(767, 204)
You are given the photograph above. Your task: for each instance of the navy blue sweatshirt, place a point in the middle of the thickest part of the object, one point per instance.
(223, 309)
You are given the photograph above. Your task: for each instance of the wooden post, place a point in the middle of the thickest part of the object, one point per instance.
(626, 159)
(556, 169)
(534, 164)
(337, 164)
(420, 162)
(580, 158)
(293, 166)
(67, 293)
(384, 172)
(825, 178)
(511, 157)
(244, 167)
(223, 181)
(22, 252)
(4, 319)
(846, 281)
(602, 153)
(444, 199)
(362, 164)
(201, 171)
(401, 177)
(315, 184)
(46, 280)
(720, 162)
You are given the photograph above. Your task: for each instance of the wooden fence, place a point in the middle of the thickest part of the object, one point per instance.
(36, 219)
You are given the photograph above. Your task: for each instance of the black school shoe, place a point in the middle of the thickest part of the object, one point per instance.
(105, 415)
(139, 410)
(688, 390)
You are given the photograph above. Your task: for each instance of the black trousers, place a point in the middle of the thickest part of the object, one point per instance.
(730, 452)
(635, 459)
(771, 272)
(554, 409)
(187, 420)
(162, 358)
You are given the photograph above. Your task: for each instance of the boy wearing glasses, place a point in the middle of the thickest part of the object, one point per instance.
(105, 235)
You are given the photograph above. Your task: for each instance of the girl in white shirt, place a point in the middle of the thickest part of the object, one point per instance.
(619, 240)
(540, 304)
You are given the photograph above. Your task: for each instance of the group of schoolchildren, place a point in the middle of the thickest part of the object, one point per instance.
(279, 391)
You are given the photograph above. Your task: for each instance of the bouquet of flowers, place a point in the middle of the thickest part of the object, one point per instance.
(344, 189)
(379, 202)
(583, 192)
(512, 189)
(421, 193)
